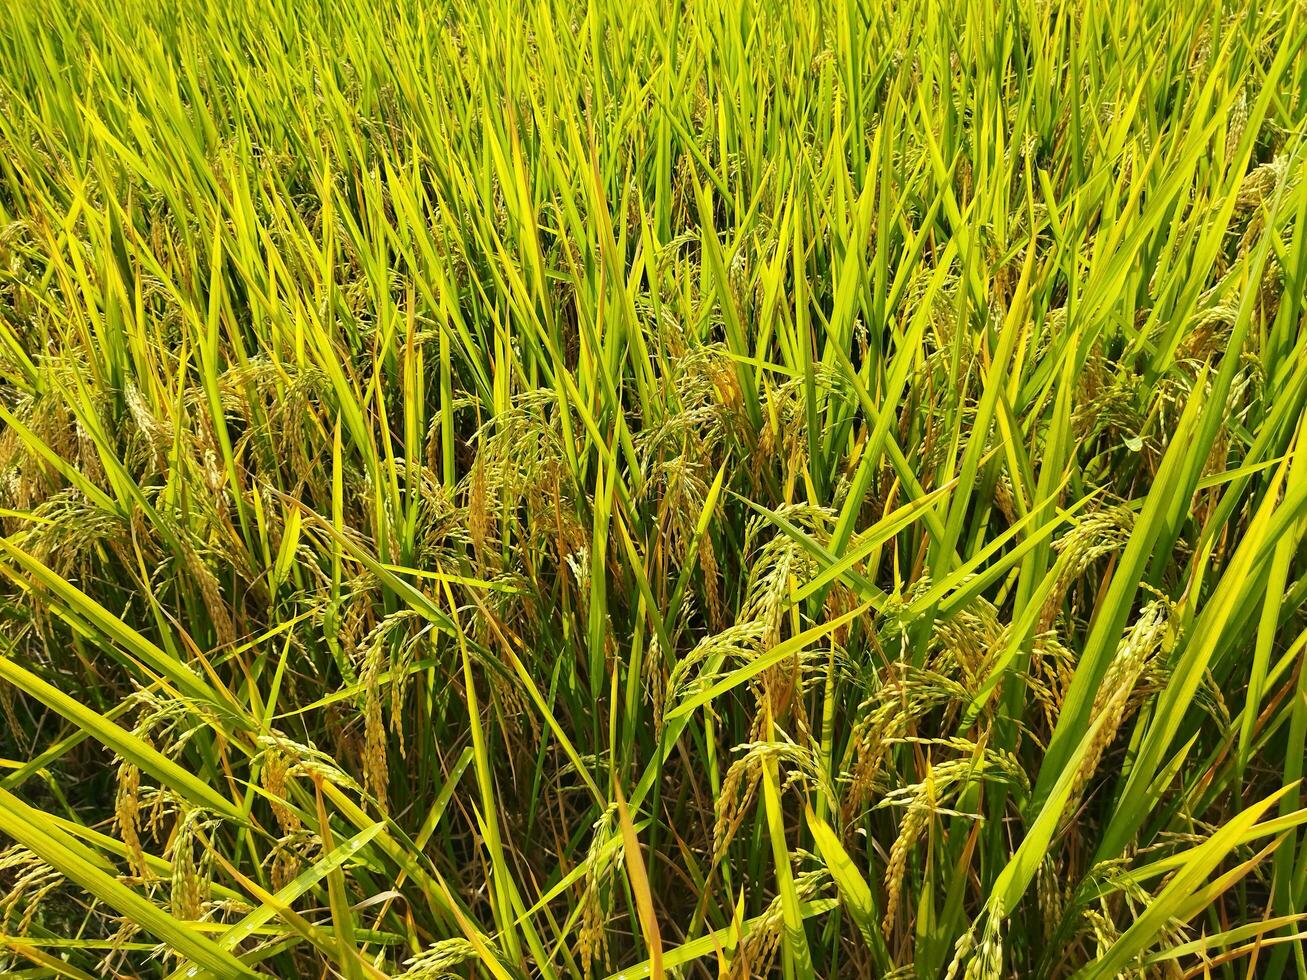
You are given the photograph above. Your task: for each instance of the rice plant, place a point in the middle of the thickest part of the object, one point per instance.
(661, 488)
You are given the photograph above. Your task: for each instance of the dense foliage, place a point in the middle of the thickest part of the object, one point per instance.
(672, 487)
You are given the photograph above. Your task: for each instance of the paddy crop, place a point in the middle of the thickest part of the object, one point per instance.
(661, 488)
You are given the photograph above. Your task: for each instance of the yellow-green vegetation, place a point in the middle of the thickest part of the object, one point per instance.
(653, 488)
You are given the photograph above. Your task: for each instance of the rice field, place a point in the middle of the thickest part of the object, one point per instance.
(661, 488)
